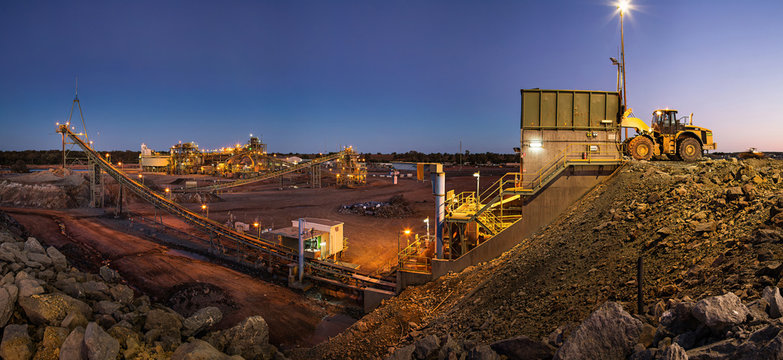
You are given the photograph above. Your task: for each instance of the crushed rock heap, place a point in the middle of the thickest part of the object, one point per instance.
(395, 207)
(51, 189)
(50, 310)
(706, 230)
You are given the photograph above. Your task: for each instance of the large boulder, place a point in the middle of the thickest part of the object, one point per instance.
(163, 319)
(679, 318)
(128, 338)
(249, 339)
(98, 344)
(164, 326)
(198, 350)
(522, 347)
(32, 245)
(107, 307)
(121, 294)
(49, 348)
(608, 333)
(720, 312)
(673, 352)
(8, 294)
(426, 346)
(403, 353)
(108, 274)
(59, 260)
(73, 346)
(51, 309)
(202, 319)
(775, 301)
(97, 290)
(74, 319)
(16, 344)
(29, 287)
(482, 352)
(724, 349)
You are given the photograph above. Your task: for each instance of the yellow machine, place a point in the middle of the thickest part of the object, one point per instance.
(668, 135)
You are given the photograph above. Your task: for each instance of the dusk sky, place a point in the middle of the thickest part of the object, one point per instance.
(384, 76)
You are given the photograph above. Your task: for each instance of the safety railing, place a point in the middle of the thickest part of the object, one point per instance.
(512, 183)
(411, 258)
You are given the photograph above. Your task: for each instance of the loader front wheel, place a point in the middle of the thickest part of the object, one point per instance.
(689, 149)
(640, 148)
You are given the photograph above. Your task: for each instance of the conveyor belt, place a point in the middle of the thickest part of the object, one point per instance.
(314, 269)
(266, 176)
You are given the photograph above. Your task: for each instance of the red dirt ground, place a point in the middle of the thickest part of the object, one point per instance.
(155, 271)
(372, 241)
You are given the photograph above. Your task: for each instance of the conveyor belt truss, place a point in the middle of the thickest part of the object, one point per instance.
(314, 269)
(269, 175)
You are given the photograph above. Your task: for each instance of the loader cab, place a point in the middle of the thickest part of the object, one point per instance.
(665, 121)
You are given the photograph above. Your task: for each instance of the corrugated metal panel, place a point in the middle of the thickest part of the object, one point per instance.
(569, 109)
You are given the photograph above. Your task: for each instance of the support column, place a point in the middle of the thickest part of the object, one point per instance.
(96, 184)
(301, 249)
(439, 190)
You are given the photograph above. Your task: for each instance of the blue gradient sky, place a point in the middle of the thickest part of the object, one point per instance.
(380, 75)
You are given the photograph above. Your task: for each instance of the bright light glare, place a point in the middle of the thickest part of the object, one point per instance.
(623, 5)
(536, 144)
(407, 231)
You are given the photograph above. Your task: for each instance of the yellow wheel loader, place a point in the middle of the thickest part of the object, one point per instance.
(667, 135)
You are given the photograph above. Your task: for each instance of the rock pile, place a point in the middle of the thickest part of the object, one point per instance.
(51, 189)
(717, 327)
(49, 310)
(702, 229)
(395, 207)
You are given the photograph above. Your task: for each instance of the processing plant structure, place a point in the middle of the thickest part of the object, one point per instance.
(250, 161)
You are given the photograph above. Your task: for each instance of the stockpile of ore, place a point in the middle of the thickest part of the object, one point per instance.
(395, 207)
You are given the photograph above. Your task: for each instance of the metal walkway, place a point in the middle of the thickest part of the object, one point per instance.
(322, 271)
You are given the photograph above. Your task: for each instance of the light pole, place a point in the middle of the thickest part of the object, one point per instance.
(623, 6)
(255, 224)
(477, 175)
(168, 193)
(205, 209)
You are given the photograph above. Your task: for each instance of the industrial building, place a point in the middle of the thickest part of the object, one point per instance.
(323, 238)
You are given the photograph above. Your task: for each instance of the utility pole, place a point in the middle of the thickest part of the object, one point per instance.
(623, 6)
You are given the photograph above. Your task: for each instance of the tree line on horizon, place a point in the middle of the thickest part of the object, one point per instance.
(54, 157)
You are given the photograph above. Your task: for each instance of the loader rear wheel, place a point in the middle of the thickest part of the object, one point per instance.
(640, 148)
(689, 149)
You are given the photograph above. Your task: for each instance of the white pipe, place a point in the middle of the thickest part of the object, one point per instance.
(301, 249)
(439, 190)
